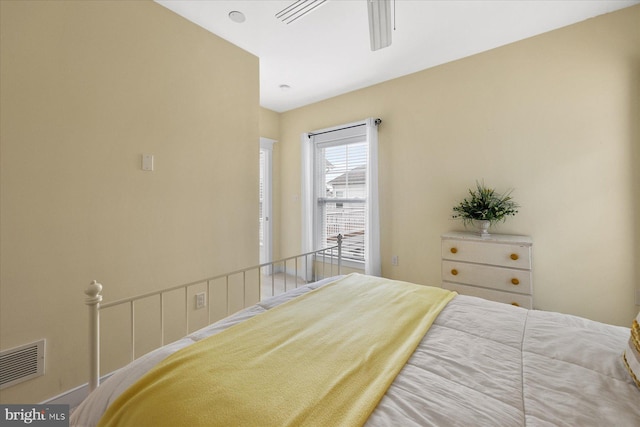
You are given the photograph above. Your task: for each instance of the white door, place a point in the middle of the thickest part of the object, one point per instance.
(266, 154)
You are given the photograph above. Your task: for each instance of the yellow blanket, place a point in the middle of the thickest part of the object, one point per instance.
(323, 359)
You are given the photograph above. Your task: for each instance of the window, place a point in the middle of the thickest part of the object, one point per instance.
(340, 192)
(340, 180)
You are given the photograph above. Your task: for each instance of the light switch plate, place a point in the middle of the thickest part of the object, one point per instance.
(147, 162)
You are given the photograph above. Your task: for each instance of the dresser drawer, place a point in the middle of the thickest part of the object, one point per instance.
(519, 300)
(502, 254)
(498, 278)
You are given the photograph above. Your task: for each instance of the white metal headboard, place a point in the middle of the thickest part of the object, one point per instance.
(327, 258)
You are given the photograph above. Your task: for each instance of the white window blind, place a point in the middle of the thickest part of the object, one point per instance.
(341, 196)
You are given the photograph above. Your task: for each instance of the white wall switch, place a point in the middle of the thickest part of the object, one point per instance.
(147, 162)
(394, 260)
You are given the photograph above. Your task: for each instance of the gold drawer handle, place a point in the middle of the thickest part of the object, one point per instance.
(515, 281)
(454, 272)
(514, 257)
(516, 304)
(454, 250)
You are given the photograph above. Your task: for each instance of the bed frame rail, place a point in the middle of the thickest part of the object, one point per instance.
(315, 266)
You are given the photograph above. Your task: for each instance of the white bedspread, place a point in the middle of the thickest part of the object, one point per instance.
(482, 363)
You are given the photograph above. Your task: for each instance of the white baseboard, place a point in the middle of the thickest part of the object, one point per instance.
(73, 397)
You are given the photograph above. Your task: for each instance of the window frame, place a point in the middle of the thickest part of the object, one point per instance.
(320, 221)
(373, 262)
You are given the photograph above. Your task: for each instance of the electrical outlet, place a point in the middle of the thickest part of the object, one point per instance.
(200, 300)
(394, 260)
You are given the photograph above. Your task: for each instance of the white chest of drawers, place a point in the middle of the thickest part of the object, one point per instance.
(497, 267)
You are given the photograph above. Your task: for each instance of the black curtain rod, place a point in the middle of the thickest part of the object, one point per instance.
(309, 135)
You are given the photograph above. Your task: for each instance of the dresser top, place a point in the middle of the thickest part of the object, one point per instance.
(498, 238)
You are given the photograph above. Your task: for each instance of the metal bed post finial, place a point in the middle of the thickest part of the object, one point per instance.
(339, 254)
(93, 300)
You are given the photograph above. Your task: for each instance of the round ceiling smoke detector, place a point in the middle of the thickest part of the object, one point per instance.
(236, 16)
(284, 87)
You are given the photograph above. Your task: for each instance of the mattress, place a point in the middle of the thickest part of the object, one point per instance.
(481, 363)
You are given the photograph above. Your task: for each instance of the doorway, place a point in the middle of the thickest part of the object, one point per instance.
(266, 173)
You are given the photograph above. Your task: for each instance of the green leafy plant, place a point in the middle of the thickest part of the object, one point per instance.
(485, 204)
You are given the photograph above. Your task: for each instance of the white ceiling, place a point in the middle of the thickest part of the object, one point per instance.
(327, 53)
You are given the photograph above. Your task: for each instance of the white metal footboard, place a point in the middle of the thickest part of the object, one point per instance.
(312, 266)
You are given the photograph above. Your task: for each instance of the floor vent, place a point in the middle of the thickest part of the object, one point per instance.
(21, 364)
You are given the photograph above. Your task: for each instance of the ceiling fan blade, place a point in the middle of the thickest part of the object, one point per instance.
(379, 23)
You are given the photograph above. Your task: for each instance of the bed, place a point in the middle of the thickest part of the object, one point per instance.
(479, 363)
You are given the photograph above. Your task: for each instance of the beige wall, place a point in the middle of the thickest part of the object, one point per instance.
(86, 88)
(269, 124)
(555, 117)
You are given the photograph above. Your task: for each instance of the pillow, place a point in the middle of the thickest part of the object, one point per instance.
(631, 354)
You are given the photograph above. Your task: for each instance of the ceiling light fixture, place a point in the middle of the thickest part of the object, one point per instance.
(379, 23)
(284, 88)
(237, 17)
(297, 10)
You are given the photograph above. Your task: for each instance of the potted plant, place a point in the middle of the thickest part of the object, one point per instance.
(484, 207)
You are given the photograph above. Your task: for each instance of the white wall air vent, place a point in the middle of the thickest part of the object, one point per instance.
(21, 364)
